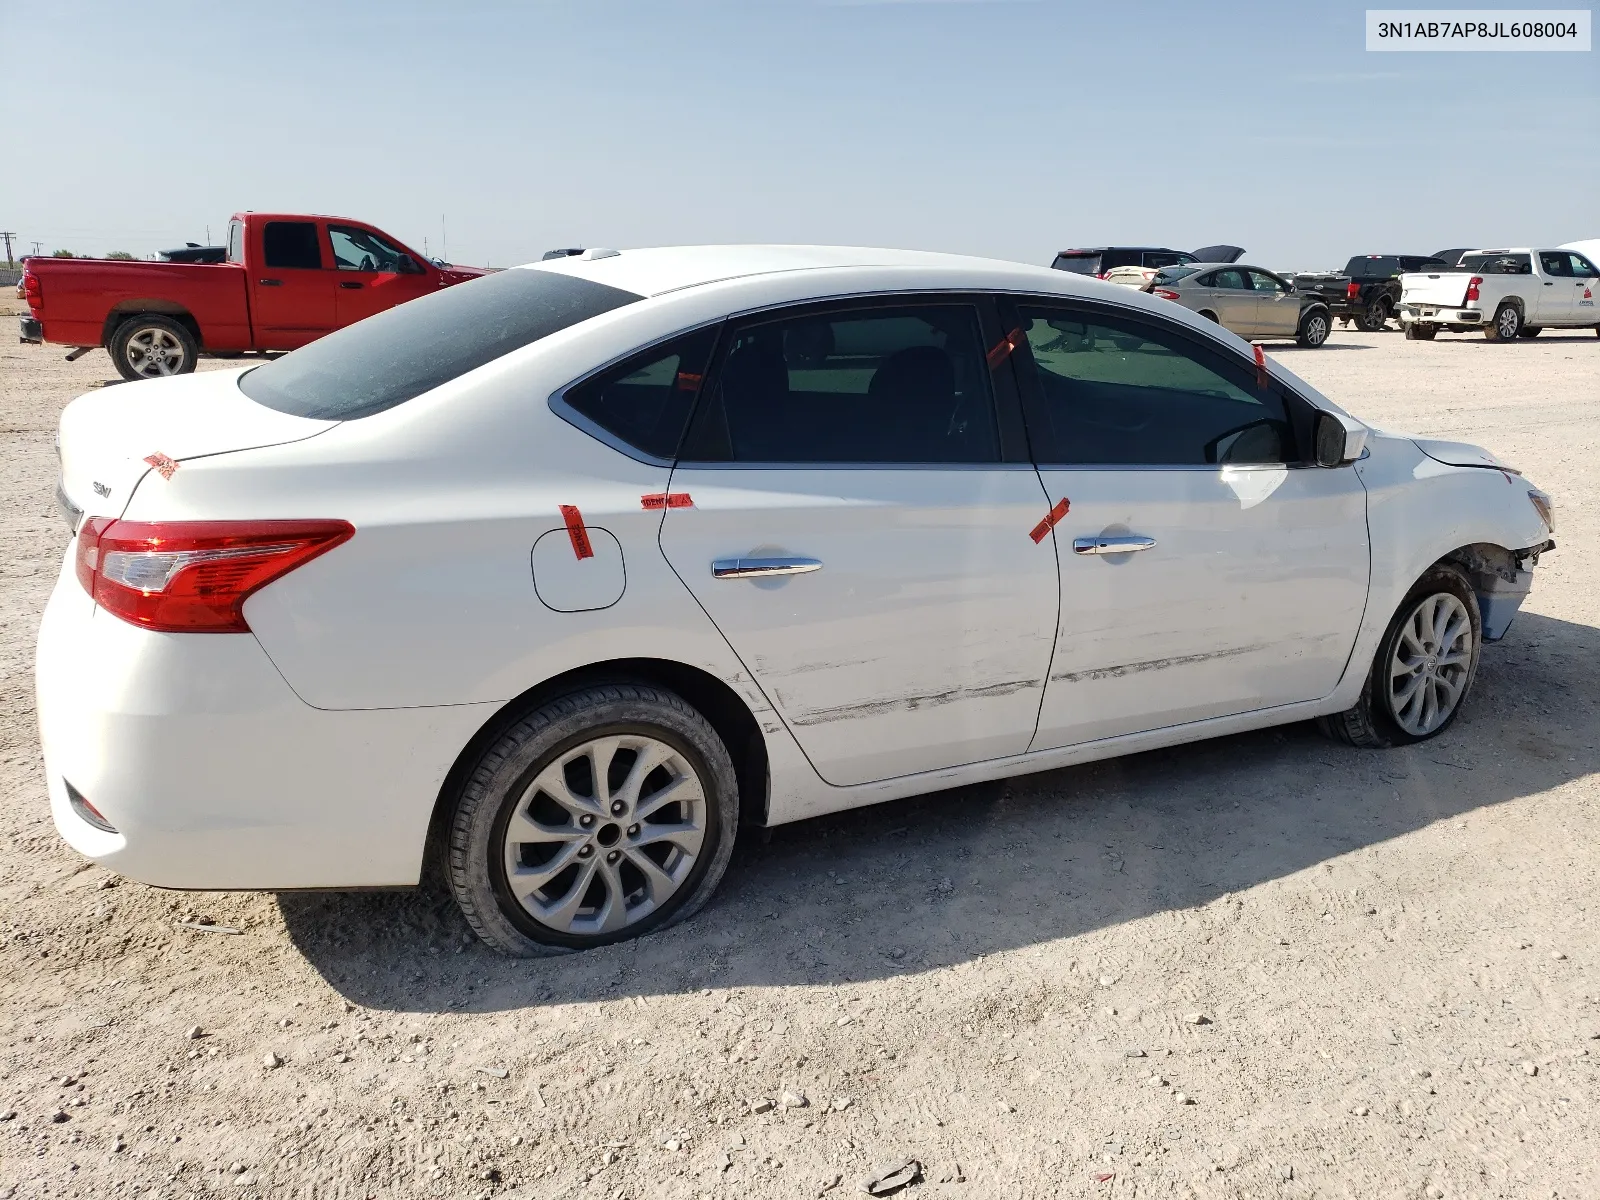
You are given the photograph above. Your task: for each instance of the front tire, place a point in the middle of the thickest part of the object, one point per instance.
(603, 815)
(1423, 669)
(1416, 332)
(1314, 329)
(151, 346)
(1507, 324)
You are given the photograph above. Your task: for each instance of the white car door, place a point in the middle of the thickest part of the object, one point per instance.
(1204, 572)
(1557, 301)
(853, 511)
(1585, 283)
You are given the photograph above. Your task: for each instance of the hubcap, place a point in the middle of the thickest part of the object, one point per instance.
(1429, 671)
(605, 834)
(154, 352)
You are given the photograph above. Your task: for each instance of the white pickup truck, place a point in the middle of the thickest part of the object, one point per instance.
(1506, 293)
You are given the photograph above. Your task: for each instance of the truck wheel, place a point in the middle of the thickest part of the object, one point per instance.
(150, 346)
(1506, 325)
(1530, 331)
(1210, 316)
(1374, 317)
(1416, 332)
(1314, 329)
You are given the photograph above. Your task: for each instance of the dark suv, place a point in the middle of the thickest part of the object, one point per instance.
(1100, 259)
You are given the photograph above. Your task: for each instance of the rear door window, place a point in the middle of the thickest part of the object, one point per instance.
(880, 385)
(396, 355)
(1555, 262)
(1117, 391)
(1232, 279)
(292, 245)
(644, 403)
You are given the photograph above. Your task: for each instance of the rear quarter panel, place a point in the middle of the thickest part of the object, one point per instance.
(80, 293)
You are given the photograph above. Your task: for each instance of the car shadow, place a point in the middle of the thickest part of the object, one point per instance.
(1295, 348)
(918, 884)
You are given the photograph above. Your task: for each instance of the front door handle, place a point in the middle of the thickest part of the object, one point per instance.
(270, 282)
(349, 283)
(762, 568)
(1111, 545)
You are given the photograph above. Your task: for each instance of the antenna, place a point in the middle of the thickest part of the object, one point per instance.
(444, 240)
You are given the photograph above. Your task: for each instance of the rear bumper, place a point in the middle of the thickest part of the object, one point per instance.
(1436, 314)
(212, 773)
(31, 330)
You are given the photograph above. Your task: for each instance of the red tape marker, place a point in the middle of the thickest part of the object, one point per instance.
(1261, 367)
(1043, 528)
(1006, 345)
(657, 500)
(165, 467)
(576, 531)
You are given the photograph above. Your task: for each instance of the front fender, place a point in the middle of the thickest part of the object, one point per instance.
(1420, 510)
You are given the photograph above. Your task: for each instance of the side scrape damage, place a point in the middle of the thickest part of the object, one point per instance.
(873, 708)
(1155, 664)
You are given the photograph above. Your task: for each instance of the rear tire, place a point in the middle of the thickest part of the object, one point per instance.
(1530, 331)
(1387, 714)
(555, 845)
(1421, 333)
(1376, 314)
(1210, 316)
(1507, 324)
(151, 346)
(1314, 329)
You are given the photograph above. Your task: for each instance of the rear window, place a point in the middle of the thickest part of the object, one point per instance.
(1173, 274)
(1080, 264)
(390, 358)
(1498, 264)
(1380, 267)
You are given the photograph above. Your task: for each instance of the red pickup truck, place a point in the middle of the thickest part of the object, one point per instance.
(286, 280)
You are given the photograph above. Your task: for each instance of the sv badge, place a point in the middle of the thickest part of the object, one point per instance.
(101, 489)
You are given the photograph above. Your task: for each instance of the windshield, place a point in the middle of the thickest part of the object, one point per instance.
(1079, 264)
(388, 359)
(1173, 274)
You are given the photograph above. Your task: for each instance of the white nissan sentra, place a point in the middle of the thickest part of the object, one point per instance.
(572, 570)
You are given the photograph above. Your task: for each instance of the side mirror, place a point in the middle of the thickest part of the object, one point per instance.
(408, 265)
(1339, 440)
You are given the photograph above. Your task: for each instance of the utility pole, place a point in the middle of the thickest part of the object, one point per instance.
(8, 234)
(38, 248)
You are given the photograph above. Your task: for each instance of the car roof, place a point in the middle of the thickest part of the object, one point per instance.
(1103, 249)
(659, 270)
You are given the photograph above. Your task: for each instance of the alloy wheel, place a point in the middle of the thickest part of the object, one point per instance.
(605, 834)
(1507, 322)
(153, 352)
(1316, 329)
(1431, 665)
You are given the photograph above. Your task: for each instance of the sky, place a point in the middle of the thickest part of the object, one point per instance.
(1007, 128)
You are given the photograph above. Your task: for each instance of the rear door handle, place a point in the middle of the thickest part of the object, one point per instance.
(762, 568)
(270, 282)
(349, 283)
(1111, 545)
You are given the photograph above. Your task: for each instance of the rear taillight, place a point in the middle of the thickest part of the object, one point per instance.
(32, 290)
(193, 576)
(1472, 287)
(1164, 294)
(1352, 290)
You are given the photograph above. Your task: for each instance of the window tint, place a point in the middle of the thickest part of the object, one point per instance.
(876, 385)
(1121, 392)
(1078, 264)
(291, 244)
(1262, 282)
(1120, 258)
(1498, 264)
(1232, 279)
(389, 358)
(1173, 274)
(1380, 266)
(1411, 263)
(1166, 258)
(362, 250)
(645, 402)
(1555, 262)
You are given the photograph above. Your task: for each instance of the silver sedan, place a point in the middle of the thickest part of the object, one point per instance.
(1247, 300)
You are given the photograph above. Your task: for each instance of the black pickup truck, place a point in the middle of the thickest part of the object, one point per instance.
(1368, 290)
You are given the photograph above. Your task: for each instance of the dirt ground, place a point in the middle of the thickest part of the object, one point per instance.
(1265, 966)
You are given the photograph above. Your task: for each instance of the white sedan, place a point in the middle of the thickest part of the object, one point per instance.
(555, 579)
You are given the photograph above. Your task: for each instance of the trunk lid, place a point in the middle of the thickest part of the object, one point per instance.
(1447, 289)
(107, 437)
(1221, 254)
